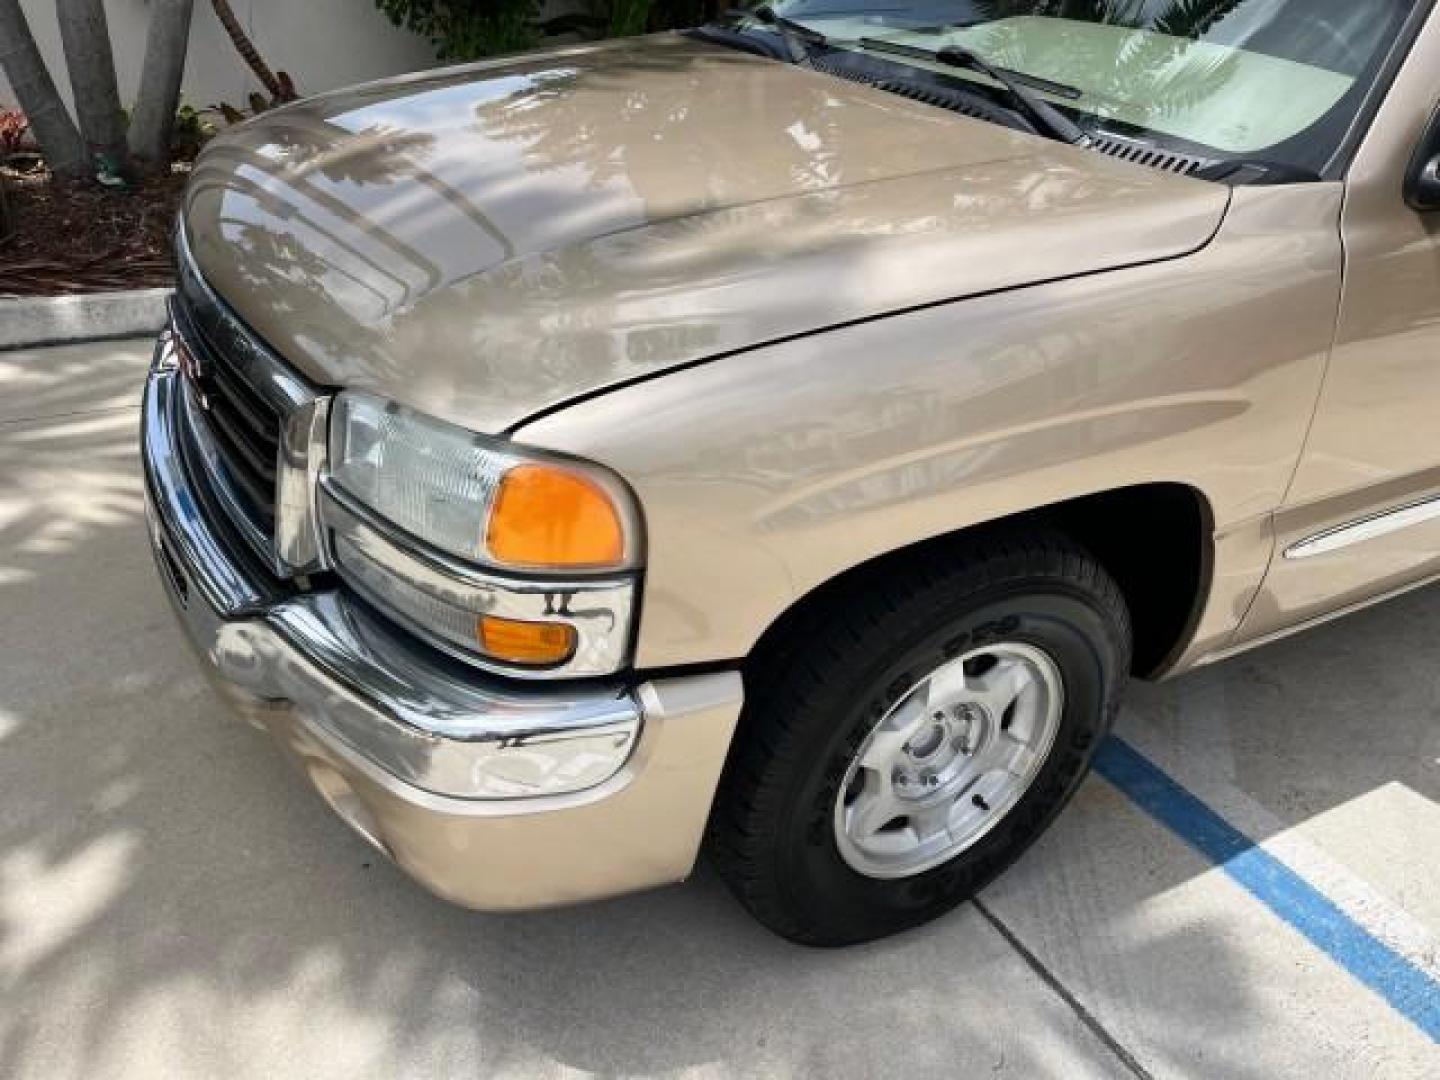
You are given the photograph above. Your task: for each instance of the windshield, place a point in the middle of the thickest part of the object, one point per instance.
(1274, 79)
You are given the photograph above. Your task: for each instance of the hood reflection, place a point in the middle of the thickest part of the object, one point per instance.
(485, 242)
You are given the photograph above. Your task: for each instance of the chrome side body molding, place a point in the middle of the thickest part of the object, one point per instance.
(1368, 528)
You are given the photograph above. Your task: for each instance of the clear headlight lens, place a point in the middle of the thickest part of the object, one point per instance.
(477, 497)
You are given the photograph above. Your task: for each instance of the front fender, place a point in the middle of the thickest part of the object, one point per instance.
(765, 474)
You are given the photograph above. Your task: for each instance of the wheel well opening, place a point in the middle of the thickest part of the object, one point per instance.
(1153, 539)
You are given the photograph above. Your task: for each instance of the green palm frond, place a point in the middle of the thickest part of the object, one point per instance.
(1193, 19)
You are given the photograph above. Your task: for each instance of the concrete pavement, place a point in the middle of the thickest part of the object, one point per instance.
(173, 902)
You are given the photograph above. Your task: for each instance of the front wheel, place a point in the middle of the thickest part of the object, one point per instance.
(906, 741)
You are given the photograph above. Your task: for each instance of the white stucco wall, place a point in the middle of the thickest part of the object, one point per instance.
(321, 43)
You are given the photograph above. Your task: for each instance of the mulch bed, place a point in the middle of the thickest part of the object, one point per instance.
(80, 237)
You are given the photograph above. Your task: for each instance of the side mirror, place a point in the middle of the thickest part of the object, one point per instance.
(1422, 178)
(1422, 185)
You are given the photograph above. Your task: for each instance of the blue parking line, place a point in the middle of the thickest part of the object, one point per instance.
(1407, 989)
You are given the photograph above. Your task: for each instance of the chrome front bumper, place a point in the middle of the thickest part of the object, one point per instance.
(493, 796)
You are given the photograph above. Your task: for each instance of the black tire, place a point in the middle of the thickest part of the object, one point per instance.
(814, 693)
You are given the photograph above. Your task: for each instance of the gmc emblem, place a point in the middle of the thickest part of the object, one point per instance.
(190, 368)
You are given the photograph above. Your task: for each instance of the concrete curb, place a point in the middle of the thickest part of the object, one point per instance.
(57, 320)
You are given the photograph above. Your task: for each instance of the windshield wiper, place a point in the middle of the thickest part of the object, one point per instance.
(1047, 119)
(799, 39)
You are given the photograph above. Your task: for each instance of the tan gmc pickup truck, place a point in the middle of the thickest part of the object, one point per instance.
(789, 435)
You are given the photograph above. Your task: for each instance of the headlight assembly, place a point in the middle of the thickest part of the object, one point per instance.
(517, 560)
(479, 498)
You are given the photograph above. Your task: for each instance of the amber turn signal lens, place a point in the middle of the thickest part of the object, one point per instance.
(546, 516)
(531, 643)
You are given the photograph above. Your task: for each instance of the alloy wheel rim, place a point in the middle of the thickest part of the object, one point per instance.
(948, 760)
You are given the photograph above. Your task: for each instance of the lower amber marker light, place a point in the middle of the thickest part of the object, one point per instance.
(533, 644)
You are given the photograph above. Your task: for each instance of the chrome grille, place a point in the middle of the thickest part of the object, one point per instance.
(238, 399)
(244, 426)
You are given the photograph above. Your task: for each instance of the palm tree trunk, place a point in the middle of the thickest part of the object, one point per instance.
(55, 131)
(246, 48)
(86, 37)
(165, 46)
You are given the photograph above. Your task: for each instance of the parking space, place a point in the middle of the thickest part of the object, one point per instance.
(1247, 889)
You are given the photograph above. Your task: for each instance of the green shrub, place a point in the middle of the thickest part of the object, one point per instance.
(468, 29)
(628, 17)
(193, 129)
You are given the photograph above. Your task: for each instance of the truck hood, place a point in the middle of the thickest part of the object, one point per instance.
(490, 241)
